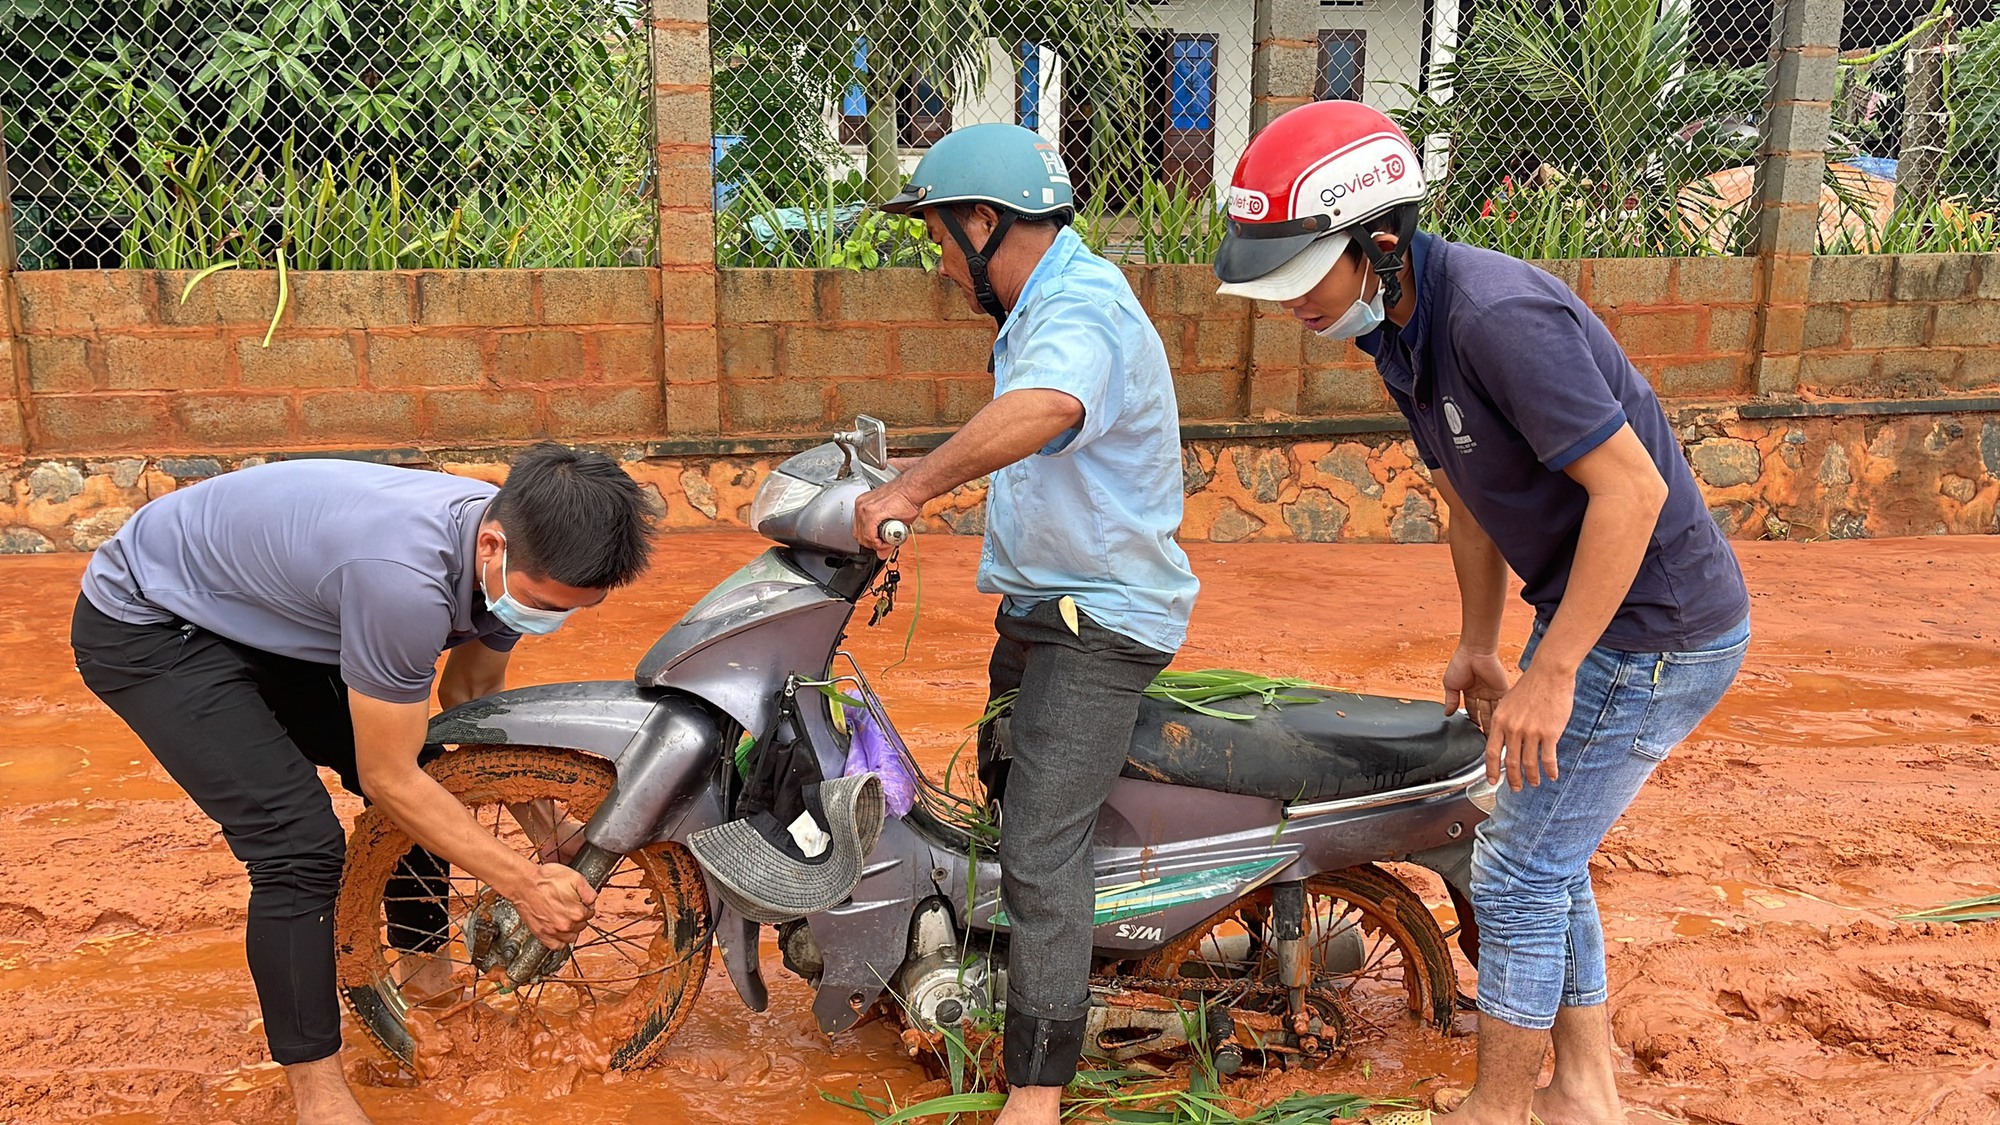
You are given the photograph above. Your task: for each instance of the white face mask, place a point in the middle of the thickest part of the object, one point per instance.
(524, 619)
(1360, 319)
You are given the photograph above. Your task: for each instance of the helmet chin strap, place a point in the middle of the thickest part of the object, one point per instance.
(976, 261)
(1388, 264)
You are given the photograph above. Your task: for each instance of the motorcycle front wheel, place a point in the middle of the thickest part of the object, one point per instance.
(417, 942)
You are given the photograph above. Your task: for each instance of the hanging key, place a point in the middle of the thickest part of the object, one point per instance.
(887, 601)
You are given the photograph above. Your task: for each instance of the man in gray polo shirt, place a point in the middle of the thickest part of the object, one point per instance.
(291, 616)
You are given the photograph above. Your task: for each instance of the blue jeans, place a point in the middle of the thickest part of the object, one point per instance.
(1541, 946)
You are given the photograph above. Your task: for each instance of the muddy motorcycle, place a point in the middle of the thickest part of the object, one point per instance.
(1237, 859)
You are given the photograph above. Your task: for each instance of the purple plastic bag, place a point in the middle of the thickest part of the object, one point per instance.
(871, 751)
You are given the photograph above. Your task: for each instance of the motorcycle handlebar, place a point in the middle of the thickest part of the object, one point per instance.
(893, 532)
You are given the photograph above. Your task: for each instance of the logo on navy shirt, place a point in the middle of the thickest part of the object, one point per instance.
(1455, 418)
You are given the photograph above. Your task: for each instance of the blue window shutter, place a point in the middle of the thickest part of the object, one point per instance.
(854, 103)
(1028, 71)
(929, 99)
(1341, 55)
(1191, 95)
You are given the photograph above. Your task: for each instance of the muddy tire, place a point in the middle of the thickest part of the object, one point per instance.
(619, 996)
(1393, 965)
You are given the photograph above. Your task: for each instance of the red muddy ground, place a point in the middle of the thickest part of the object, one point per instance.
(1758, 975)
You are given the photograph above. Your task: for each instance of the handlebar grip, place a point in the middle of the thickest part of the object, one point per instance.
(893, 532)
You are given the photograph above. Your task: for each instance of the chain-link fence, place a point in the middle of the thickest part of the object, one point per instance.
(1596, 128)
(1915, 147)
(336, 133)
(440, 133)
(824, 105)
(1550, 128)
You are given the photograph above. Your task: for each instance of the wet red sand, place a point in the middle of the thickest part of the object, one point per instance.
(1758, 974)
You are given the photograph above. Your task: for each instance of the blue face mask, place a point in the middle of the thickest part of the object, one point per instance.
(1360, 319)
(523, 619)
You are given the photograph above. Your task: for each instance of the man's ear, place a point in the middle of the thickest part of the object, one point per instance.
(488, 542)
(979, 226)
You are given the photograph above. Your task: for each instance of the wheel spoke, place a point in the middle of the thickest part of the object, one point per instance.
(604, 976)
(1367, 920)
(618, 943)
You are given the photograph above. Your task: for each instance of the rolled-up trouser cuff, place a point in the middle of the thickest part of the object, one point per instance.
(1042, 1052)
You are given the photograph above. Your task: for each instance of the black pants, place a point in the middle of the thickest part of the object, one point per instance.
(1070, 729)
(243, 731)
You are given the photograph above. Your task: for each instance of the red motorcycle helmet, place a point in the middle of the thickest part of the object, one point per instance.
(1303, 186)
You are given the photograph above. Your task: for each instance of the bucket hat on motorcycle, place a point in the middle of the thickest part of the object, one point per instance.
(1016, 171)
(1303, 187)
(766, 885)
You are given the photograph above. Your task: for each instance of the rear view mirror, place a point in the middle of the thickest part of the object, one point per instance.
(867, 443)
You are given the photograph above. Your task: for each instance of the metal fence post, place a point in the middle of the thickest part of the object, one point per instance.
(1791, 170)
(8, 252)
(1286, 60)
(683, 139)
(1926, 120)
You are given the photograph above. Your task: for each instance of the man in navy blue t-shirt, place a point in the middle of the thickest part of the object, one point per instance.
(1557, 462)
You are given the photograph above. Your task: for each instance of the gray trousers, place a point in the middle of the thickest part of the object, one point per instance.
(1070, 728)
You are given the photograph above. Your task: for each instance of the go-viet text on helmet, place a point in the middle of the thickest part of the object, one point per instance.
(1308, 183)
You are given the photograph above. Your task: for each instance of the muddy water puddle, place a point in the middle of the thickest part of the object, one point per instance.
(1750, 897)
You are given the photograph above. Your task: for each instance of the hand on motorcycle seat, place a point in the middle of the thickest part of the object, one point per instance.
(1475, 681)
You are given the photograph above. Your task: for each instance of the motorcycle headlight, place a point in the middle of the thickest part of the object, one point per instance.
(741, 599)
(780, 495)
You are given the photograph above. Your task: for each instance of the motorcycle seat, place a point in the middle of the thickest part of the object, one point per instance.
(1340, 745)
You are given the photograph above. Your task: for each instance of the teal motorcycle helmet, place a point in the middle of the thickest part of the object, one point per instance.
(1016, 171)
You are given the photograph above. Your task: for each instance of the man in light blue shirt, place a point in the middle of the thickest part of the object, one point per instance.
(1082, 445)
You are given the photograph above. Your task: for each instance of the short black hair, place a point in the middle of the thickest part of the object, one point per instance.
(574, 516)
(1391, 221)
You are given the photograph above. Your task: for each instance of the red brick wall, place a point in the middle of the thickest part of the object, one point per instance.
(112, 361)
(127, 392)
(801, 349)
(804, 350)
(1908, 326)
(117, 361)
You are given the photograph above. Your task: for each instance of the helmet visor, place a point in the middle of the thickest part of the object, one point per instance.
(1276, 269)
(905, 201)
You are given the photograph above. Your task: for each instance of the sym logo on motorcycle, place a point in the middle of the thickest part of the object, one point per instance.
(1237, 859)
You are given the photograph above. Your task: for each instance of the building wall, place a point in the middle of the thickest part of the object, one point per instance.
(1395, 30)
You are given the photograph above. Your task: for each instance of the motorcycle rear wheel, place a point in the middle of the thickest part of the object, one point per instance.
(614, 1000)
(1379, 953)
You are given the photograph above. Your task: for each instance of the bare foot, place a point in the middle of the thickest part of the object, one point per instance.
(1031, 1105)
(1554, 1109)
(320, 1091)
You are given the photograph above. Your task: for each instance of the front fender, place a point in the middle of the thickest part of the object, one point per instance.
(596, 716)
(664, 745)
